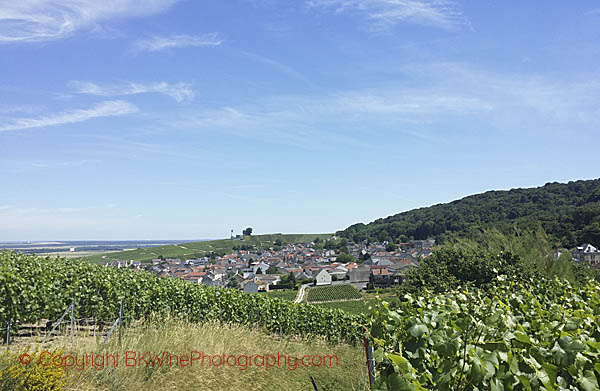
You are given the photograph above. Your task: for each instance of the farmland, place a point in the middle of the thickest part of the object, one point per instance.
(200, 249)
(332, 293)
(284, 294)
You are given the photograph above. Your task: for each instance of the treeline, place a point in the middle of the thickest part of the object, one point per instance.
(569, 213)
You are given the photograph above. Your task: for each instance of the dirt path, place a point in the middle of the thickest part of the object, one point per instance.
(300, 295)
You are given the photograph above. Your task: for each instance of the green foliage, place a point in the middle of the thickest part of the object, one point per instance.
(35, 376)
(391, 246)
(344, 258)
(34, 288)
(478, 261)
(353, 306)
(272, 270)
(531, 335)
(569, 213)
(449, 268)
(332, 292)
(283, 294)
(288, 279)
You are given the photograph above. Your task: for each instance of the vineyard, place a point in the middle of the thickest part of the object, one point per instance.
(34, 289)
(538, 335)
(284, 294)
(332, 293)
(530, 335)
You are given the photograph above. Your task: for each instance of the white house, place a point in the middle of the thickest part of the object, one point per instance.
(323, 278)
(262, 266)
(339, 271)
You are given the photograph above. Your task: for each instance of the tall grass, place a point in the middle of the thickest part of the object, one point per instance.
(180, 338)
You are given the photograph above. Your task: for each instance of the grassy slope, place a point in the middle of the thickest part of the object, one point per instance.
(180, 337)
(199, 249)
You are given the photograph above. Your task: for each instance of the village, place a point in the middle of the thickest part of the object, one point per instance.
(363, 265)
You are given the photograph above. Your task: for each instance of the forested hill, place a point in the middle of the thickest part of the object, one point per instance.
(570, 214)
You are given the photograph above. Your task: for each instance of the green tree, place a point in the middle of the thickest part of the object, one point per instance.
(344, 258)
(391, 246)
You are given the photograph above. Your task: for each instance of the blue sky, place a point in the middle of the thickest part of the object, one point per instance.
(184, 119)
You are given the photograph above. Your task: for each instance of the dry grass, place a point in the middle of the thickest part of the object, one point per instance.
(181, 338)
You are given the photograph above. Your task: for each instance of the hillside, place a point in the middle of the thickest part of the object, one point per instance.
(199, 249)
(569, 213)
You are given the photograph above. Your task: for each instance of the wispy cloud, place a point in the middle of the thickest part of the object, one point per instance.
(104, 109)
(180, 92)
(386, 13)
(285, 69)
(446, 94)
(73, 163)
(45, 20)
(156, 43)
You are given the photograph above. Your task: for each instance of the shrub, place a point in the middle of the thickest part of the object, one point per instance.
(35, 376)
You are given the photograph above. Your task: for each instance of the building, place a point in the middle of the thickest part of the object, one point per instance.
(323, 278)
(588, 254)
(250, 287)
(360, 274)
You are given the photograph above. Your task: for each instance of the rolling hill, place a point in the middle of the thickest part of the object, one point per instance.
(568, 212)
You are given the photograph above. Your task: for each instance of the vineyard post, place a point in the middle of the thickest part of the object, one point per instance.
(370, 359)
(8, 332)
(58, 322)
(72, 319)
(120, 321)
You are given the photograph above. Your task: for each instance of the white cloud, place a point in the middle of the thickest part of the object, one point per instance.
(386, 13)
(411, 102)
(44, 20)
(104, 109)
(180, 92)
(156, 43)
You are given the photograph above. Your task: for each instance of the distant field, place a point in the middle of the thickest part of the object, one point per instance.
(78, 254)
(199, 249)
